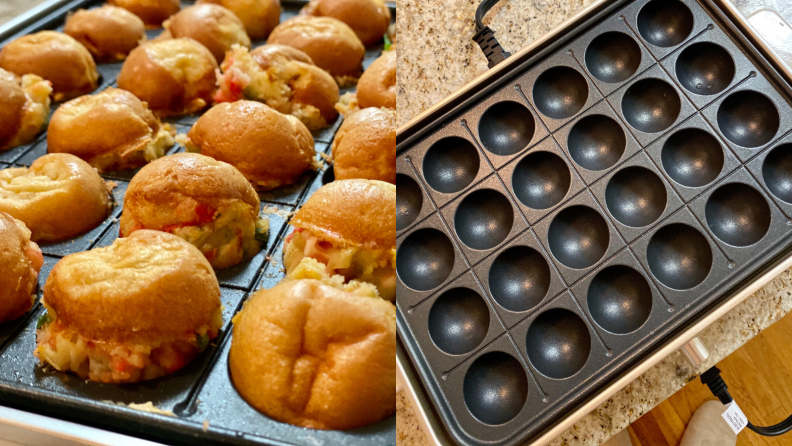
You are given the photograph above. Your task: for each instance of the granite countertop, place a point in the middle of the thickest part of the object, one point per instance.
(437, 57)
(12, 8)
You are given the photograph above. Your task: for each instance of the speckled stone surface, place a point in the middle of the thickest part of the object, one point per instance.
(12, 8)
(437, 57)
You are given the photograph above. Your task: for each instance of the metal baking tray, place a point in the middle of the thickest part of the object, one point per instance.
(205, 405)
(573, 215)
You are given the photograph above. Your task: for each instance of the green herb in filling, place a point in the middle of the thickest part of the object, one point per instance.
(203, 340)
(43, 320)
(262, 234)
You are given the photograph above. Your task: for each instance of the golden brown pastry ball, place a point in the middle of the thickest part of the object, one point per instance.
(273, 54)
(57, 58)
(281, 80)
(330, 43)
(291, 359)
(24, 108)
(138, 309)
(152, 12)
(377, 85)
(365, 146)
(349, 226)
(204, 201)
(112, 130)
(259, 16)
(269, 148)
(20, 263)
(175, 76)
(109, 32)
(368, 18)
(213, 26)
(60, 196)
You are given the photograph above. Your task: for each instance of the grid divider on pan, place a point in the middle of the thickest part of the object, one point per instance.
(676, 302)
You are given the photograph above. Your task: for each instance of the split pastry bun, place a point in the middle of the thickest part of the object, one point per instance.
(112, 130)
(204, 201)
(57, 58)
(59, 197)
(20, 261)
(292, 359)
(213, 26)
(282, 77)
(269, 148)
(331, 44)
(24, 108)
(350, 227)
(259, 16)
(365, 146)
(152, 12)
(109, 32)
(174, 76)
(369, 19)
(138, 309)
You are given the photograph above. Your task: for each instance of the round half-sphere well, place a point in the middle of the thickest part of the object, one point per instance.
(777, 172)
(541, 180)
(748, 118)
(560, 92)
(651, 105)
(705, 68)
(665, 23)
(506, 128)
(613, 57)
(425, 259)
(578, 237)
(636, 196)
(495, 388)
(409, 200)
(596, 142)
(484, 219)
(558, 343)
(519, 278)
(619, 299)
(692, 157)
(451, 164)
(679, 256)
(458, 321)
(738, 214)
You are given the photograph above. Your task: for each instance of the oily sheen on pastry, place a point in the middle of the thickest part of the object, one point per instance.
(20, 261)
(350, 227)
(269, 148)
(202, 200)
(213, 26)
(112, 130)
(317, 355)
(174, 76)
(24, 108)
(282, 77)
(138, 309)
(56, 57)
(365, 146)
(109, 32)
(59, 197)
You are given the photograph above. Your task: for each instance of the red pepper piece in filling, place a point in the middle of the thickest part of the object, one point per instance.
(205, 213)
(296, 231)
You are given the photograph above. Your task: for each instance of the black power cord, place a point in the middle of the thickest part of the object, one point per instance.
(718, 388)
(485, 36)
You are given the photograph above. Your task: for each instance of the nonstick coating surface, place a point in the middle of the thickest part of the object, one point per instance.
(202, 390)
(602, 194)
